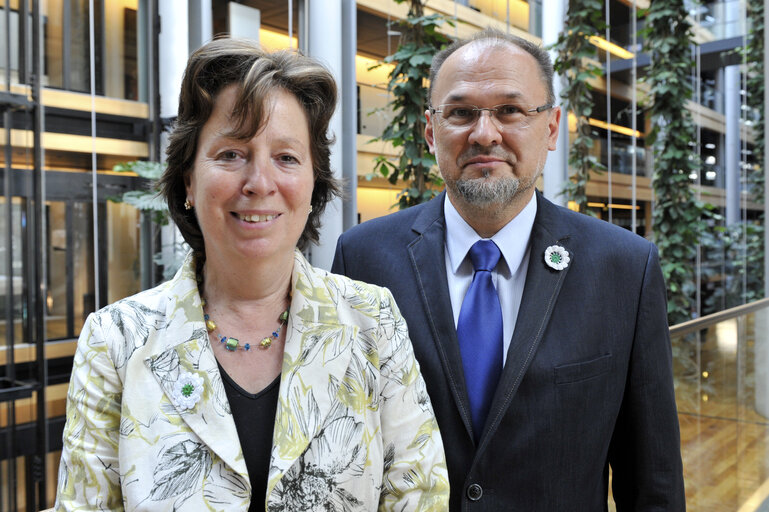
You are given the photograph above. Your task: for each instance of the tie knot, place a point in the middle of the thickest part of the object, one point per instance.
(484, 255)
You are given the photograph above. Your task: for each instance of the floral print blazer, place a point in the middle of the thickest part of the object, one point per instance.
(354, 428)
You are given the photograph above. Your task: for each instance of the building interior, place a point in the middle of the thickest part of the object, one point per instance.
(86, 85)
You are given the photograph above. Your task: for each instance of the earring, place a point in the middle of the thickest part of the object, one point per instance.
(310, 210)
(187, 204)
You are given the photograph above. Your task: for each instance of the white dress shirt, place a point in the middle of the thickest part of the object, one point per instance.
(508, 277)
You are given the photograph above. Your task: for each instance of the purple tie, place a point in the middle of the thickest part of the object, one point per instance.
(479, 331)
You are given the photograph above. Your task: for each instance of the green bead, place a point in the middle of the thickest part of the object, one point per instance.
(232, 344)
(284, 316)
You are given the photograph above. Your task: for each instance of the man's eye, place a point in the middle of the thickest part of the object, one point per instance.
(508, 110)
(461, 112)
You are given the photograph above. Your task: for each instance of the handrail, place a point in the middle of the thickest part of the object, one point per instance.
(714, 318)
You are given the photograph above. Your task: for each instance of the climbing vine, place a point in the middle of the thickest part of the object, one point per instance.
(677, 214)
(420, 41)
(754, 53)
(754, 57)
(576, 61)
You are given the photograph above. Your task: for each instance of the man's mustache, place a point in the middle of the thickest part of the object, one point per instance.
(492, 151)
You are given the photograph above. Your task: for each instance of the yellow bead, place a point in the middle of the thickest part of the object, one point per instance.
(210, 325)
(266, 342)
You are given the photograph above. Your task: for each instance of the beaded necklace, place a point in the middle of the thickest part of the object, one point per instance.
(233, 344)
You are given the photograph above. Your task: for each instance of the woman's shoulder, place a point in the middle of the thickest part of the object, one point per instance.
(342, 289)
(153, 302)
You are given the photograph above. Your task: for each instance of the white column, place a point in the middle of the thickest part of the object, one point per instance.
(201, 20)
(766, 146)
(556, 170)
(325, 44)
(732, 163)
(173, 52)
(761, 361)
(349, 104)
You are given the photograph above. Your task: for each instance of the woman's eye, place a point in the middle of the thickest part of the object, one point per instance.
(228, 155)
(289, 159)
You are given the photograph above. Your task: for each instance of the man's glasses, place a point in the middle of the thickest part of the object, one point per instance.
(507, 116)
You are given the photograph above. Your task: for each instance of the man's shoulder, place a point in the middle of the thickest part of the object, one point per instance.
(400, 222)
(592, 232)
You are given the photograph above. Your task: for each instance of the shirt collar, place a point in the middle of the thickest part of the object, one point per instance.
(512, 239)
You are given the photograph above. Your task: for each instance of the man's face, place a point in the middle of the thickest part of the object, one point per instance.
(490, 165)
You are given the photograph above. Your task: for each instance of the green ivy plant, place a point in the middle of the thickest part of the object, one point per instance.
(732, 265)
(420, 41)
(576, 61)
(754, 57)
(754, 53)
(677, 214)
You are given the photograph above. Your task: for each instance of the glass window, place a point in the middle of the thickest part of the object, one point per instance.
(67, 51)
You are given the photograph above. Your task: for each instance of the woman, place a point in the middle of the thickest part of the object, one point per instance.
(251, 380)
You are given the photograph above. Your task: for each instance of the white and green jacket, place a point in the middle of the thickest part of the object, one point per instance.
(354, 428)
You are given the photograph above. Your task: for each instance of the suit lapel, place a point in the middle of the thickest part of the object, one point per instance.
(428, 261)
(543, 284)
(185, 348)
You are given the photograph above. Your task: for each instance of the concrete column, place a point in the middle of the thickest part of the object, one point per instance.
(173, 52)
(201, 21)
(556, 170)
(325, 44)
(349, 105)
(766, 146)
(761, 361)
(732, 162)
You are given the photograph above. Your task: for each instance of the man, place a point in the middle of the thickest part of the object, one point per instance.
(541, 333)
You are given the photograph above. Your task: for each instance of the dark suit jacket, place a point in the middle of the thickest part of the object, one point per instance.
(588, 378)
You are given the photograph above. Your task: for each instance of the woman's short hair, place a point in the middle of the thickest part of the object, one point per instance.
(224, 62)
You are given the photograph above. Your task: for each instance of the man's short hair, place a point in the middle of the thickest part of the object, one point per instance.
(498, 38)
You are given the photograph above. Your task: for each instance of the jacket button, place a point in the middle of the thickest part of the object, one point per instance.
(474, 492)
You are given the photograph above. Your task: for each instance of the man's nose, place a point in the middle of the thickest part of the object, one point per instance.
(485, 131)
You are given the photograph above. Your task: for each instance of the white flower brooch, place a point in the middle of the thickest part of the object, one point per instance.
(187, 390)
(557, 257)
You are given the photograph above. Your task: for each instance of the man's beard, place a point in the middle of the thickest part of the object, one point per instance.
(483, 192)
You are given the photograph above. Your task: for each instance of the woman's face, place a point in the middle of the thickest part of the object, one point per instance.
(252, 197)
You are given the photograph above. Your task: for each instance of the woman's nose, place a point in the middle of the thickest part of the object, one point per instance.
(257, 179)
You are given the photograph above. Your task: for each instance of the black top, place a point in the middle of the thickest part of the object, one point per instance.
(254, 417)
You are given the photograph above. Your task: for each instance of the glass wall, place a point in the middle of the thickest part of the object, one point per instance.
(722, 392)
(65, 248)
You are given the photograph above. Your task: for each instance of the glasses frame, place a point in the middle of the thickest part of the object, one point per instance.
(491, 110)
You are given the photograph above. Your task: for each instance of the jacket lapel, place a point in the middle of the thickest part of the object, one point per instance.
(428, 261)
(315, 360)
(540, 294)
(185, 348)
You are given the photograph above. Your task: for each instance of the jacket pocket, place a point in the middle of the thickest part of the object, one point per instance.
(576, 372)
